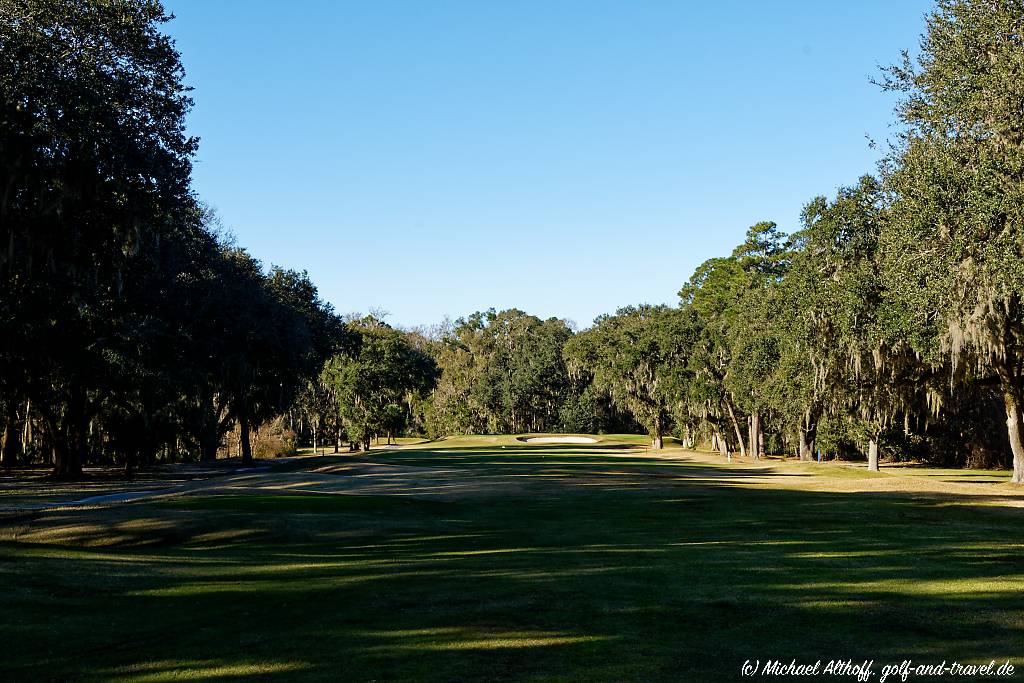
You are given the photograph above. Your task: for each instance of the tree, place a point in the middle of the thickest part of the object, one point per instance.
(96, 166)
(372, 382)
(954, 248)
(317, 405)
(283, 336)
(737, 349)
(754, 338)
(637, 357)
(501, 372)
(865, 368)
(712, 294)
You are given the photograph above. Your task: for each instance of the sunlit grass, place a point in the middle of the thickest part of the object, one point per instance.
(177, 670)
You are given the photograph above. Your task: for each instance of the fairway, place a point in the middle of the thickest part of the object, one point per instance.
(484, 558)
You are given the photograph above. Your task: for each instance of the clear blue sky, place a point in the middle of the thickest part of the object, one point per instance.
(564, 157)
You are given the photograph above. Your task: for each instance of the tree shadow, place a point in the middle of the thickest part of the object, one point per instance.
(586, 583)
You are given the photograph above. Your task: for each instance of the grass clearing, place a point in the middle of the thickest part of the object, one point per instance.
(532, 562)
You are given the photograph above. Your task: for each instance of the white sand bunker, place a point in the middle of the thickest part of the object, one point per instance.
(558, 439)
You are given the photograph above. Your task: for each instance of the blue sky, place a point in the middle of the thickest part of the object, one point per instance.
(563, 157)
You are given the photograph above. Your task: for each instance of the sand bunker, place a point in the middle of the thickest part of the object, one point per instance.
(558, 439)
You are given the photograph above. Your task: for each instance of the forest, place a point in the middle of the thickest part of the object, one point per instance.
(887, 325)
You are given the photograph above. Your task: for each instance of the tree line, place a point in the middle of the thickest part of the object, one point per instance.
(133, 328)
(887, 323)
(890, 319)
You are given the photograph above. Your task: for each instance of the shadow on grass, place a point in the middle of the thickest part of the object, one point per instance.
(603, 456)
(581, 584)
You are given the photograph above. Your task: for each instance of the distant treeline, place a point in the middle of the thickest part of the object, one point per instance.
(889, 323)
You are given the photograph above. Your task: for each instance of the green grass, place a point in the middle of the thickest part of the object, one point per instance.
(681, 577)
(311, 502)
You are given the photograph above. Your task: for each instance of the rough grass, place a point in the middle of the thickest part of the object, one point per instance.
(602, 563)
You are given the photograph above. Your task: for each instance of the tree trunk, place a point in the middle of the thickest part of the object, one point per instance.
(68, 454)
(873, 455)
(808, 429)
(1015, 429)
(760, 441)
(69, 439)
(807, 439)
(208, 446)
(723, 448)
(10, 439)
(210, 430)
(736, 428)
(755, 435)
(245, 444)
(27, 432)
(750, 429)
(657, 442)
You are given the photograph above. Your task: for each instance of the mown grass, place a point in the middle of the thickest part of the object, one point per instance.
(312, 502)
(678, 578)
